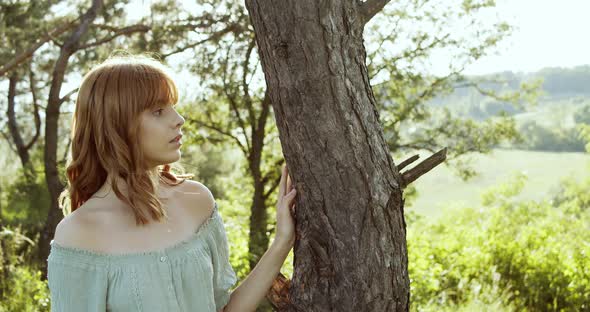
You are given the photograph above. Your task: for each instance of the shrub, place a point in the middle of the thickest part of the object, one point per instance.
(21, 287)
(505, 255)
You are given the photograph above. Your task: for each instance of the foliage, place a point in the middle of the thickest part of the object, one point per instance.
(21, 287)
(444, 129)
(26, 203)
(28, 293)
(540, 138)
(402, 39)
(235, 213)
(585, 135)
(524, 256)
(582, 115)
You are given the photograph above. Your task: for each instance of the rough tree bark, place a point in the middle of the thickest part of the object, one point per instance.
(350, 251)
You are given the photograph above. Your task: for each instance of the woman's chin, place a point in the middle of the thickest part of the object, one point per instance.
(171, 158)
(178, 156)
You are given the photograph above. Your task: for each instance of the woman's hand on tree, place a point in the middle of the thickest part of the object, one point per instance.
(285, 228)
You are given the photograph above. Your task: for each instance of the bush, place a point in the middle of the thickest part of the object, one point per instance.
(21, 287)
(27, 292)
(506, 255)
(27, 202)
(539, 138)
(582, 115)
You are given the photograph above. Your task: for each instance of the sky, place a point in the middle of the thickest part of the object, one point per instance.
(549, 33)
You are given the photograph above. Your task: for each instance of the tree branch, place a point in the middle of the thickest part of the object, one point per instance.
(420, 169)
(9, 141)
(261, 120)
(246, 86)
(221, 131)
(513, 97)
(406, 162)
(232, 101)
(35, 108)
(67, 96)
(214, 36)
(118, 32)
(276, 181)
(26, 54)
(64, 159)
(69, 47)
(369, 8)
(10, 113)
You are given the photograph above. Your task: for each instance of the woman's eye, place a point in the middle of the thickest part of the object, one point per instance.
(159, 112)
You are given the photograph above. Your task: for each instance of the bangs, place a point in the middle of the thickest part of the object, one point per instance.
(160, 91)
(139, 82)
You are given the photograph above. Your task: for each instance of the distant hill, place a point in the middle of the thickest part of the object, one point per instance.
(569, 86)
(566, 81)
(557, 82)
(564, 101)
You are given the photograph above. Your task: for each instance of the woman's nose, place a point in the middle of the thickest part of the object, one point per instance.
(181, 121)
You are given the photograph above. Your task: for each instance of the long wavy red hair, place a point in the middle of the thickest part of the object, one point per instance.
(105, 128)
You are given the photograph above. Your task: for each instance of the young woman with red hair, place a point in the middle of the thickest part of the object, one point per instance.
(135, 236)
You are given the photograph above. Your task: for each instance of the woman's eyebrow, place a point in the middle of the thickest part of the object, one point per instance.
(161, 103)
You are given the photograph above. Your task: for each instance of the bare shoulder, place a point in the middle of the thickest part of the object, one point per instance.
(76, 230)
(197, 195)
(197, 188)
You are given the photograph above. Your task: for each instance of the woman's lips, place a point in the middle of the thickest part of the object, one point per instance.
(176, 139)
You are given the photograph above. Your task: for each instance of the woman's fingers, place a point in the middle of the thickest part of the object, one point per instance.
(291, 197)
(282, 182)
(291, 201)
(286, 176)
(286, 184)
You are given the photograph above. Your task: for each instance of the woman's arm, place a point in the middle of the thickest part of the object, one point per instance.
(248, 295)
(253, 289)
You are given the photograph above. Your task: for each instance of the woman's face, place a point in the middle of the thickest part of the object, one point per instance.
(158, 129)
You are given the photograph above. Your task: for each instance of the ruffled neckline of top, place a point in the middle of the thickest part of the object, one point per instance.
(161, 254)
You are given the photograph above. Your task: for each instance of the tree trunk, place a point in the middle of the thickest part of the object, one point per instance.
(54, 184)
(350, 252)
(258, 240)
(22, 149)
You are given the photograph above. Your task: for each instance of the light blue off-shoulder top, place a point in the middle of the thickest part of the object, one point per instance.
(192, 275)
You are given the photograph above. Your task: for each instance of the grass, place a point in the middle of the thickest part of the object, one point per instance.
(441, 189)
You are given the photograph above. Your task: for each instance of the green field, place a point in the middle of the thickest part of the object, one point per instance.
(441, 189)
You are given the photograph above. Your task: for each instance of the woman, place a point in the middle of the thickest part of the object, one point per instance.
(137, 237)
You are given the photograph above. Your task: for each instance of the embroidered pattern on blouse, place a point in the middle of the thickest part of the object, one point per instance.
(136, 290)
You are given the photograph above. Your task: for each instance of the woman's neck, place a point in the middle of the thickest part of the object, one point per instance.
(106, 190)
